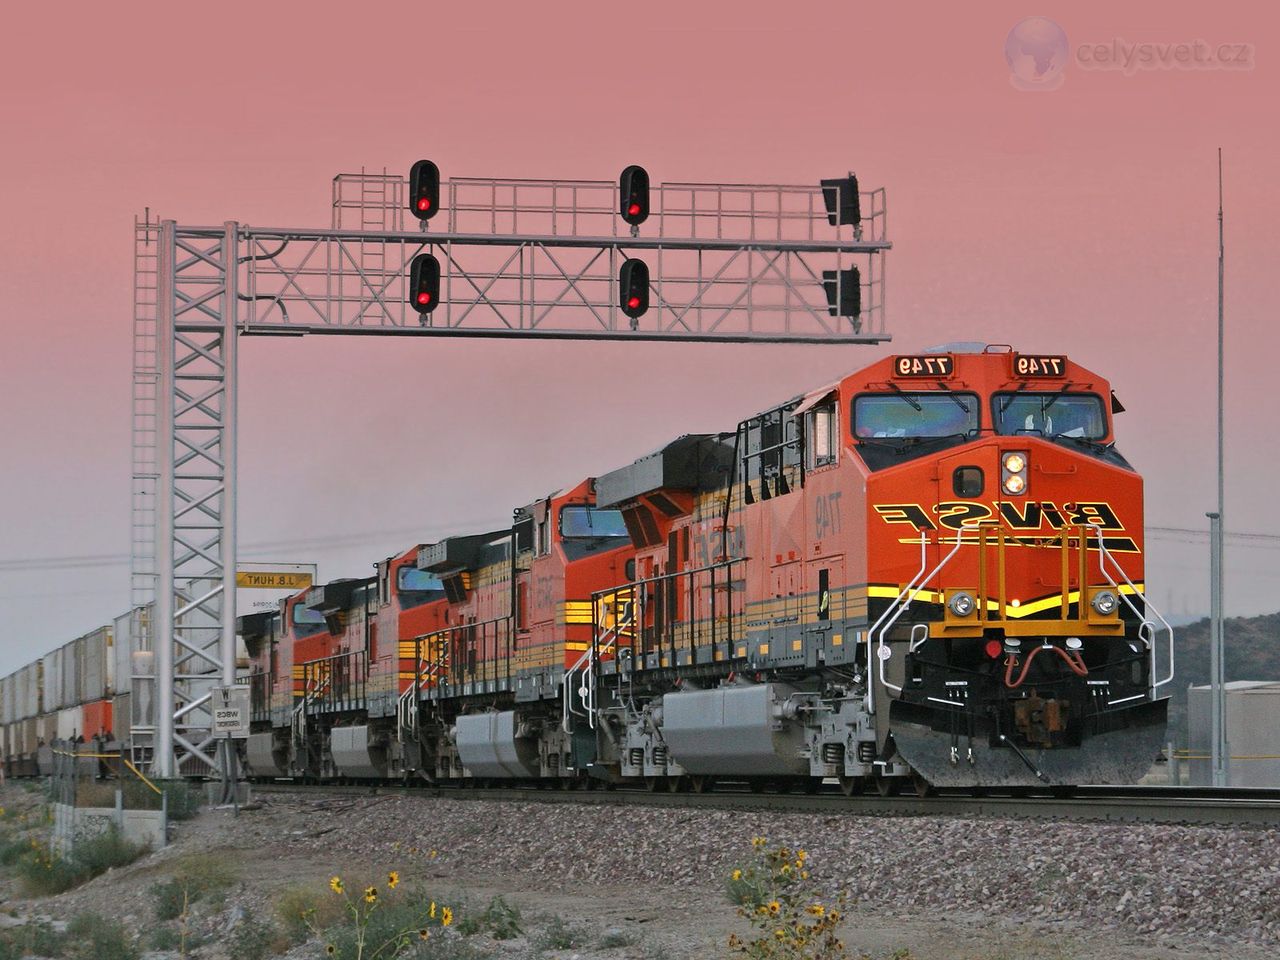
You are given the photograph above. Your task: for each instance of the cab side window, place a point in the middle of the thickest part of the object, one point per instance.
(821, 436)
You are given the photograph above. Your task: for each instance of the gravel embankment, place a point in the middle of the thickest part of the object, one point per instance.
(1174, 884)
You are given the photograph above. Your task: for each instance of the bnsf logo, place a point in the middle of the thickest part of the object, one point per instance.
(1032, 515)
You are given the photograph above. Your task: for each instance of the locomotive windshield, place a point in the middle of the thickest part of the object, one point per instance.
(1077, 415)
(579, 521)
(412, 580)
(302, 614)
(920, 415)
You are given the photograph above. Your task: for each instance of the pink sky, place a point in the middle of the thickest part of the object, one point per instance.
(1079, 221)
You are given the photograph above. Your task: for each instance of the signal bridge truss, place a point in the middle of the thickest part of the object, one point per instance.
(519, 258)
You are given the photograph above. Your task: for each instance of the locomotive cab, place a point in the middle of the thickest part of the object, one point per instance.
(1008, 637)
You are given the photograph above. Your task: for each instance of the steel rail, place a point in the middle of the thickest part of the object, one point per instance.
(1224, 807)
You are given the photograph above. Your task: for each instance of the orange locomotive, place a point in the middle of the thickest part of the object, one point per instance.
(929, 571)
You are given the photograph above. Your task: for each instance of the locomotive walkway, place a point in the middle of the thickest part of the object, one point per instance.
(1169, 805)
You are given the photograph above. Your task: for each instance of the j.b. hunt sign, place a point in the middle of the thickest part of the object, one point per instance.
(1033, 518)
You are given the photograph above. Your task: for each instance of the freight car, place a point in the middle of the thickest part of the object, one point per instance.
(928, 572)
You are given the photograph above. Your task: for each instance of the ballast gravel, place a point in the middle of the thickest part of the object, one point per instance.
(1174, 885)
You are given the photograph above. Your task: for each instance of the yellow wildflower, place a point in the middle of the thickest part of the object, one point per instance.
(736, 875)
(801, 856)
(758, 842)
(774, 907)
(393, 879)
(424, 934)
(786, 869)
(815, 909)
(335, 884)
(432, 912)
(370, 894)
(804, 874)
(446, 917)
(434, 854)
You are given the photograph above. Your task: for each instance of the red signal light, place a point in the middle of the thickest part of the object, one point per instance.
(993, 649)
(424, 204)
(633, 302)
(633, 209)
(424, 298)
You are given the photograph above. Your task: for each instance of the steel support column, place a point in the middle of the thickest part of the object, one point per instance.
(162, 622)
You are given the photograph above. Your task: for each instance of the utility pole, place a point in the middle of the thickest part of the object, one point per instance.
(1217, 650)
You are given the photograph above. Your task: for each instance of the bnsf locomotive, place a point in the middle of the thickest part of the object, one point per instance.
(930, 571)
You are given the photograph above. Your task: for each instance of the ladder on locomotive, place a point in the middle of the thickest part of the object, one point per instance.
(587, 665)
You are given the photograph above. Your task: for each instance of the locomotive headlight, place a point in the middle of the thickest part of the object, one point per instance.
(961, 604)
(1104, 601)
(1013, 472)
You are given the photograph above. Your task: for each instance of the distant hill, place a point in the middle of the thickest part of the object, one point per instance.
(1253, 653)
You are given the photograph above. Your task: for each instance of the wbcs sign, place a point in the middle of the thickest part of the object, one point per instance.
(231, 711)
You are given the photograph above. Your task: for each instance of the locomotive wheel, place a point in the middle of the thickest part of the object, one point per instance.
(888, 786)
(810, 785)
(677, 784)
(702, 784)
(850, 786)
(652, 783)
(922, 786)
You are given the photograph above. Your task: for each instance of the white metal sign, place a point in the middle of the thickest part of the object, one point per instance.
(231, 711)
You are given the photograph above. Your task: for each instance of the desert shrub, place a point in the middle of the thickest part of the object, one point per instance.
(559, 935)
(171, 899)
(499, 919)
(12, 849)
(447, 948)
(34, 938)
(300, 909)
(92, 937)
(194, 878)
(183, 798)
(100, 852)
(165, 939)
(253, 939)
(45, 872)
(614, 938)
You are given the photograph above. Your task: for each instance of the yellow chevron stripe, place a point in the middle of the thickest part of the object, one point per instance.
(1014, 613)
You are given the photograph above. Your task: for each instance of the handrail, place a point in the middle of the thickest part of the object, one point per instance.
(477, 634)
(584, 663)
(1105, 557)
(924, 563)
(640, 605)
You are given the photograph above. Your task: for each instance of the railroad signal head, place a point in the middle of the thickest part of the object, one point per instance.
(633, 195)
(424, 283)
(844, 292)
(633, 288)
(841, 198)
(424, 189)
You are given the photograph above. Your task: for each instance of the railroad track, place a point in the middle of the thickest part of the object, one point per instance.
(1172, 805)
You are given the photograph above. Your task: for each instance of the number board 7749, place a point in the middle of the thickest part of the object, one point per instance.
(925, 365)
